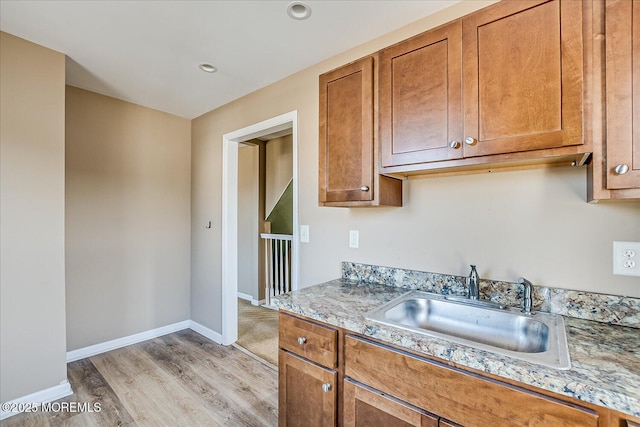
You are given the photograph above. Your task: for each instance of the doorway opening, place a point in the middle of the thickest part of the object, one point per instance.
(283, 124)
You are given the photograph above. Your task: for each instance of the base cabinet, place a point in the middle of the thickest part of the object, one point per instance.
(306, 393)
(364, 407)
(456, 395)
(328, 377)
(307, 377)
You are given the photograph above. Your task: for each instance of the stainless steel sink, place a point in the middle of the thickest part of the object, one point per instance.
(538, 338)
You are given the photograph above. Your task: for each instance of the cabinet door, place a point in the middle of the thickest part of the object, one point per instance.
(365, 407)
(523, 77)
(421, 98)
(346, 133)
(306, 393)
(622, 29)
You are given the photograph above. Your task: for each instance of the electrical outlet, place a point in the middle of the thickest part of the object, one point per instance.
(626, 258)
(353, 238)
(304, 233)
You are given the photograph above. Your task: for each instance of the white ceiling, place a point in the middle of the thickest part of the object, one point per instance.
(147, 52)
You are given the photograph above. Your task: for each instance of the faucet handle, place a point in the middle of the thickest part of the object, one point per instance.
(528, 300)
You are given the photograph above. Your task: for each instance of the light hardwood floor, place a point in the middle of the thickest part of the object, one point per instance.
(181, 379)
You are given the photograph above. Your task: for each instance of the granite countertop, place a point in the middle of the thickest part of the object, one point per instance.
(605, 359)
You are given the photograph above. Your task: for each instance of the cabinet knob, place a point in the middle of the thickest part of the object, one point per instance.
(621, 169)
(470, 140)
(302, 340)
(326, 387)
(455, 144)
(364, 188)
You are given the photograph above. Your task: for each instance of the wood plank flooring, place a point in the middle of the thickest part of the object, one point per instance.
(181, 379)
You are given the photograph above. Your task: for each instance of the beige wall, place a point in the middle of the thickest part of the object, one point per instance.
(279, 169)
(32, 274)
(248, 219)
(534, 223)
(127, 218)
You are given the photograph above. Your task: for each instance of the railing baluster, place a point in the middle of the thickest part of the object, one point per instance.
(267, 282)
(287, 263)
(277, 243)
(280, 266)
(277, 267)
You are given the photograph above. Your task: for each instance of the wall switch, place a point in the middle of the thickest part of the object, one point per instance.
(354, 236)
(304, 233)
(626, 258)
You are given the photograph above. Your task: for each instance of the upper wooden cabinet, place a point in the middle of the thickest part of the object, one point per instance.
(523, 77)
(348, 169)
(421, 98)
(614, 173)
(506, 79)
(622, 28)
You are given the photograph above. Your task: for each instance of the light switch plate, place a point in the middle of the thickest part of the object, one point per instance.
(626, 258)
(354, 236)
(304, 233)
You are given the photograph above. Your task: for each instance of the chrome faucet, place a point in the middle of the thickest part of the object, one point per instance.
(473, 283)
(528, 288)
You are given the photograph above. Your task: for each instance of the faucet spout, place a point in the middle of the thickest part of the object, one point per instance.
(528, 288)
(473, 283)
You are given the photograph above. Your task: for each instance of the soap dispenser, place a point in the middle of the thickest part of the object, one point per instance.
(473, 283)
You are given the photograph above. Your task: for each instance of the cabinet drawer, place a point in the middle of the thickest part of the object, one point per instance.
(364, 407)
(456, 395)
(310, 340)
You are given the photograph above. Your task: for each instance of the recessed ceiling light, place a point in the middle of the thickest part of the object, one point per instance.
(207, 68)
(298, 10)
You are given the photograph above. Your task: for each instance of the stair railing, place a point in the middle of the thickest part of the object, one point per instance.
(277, 264)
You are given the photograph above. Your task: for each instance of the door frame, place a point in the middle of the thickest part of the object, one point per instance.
(230, 144)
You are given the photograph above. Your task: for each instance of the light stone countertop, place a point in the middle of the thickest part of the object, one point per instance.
(605, 359)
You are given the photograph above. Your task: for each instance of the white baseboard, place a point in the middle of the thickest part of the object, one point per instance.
(92, 350)
(248, 297)
(206, 332)
(43, 396)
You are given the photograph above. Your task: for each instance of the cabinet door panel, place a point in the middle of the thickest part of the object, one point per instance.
(346, 133)
(623, 92)
(302, 400)
(365, 407)
(523, 77)
(421, 97)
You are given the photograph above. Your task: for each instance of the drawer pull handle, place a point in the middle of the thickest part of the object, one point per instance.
(364, 188)
(326, 387)
(455, 144)
(302, 340)
(621, 169)
(470, 140)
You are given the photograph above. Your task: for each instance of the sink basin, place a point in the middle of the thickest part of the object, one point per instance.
(538, 338)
